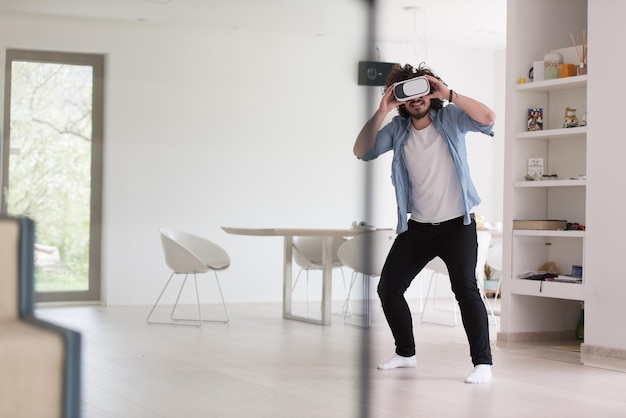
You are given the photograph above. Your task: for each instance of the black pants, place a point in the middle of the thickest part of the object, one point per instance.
(456, 244)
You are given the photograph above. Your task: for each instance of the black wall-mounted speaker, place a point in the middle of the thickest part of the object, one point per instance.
(373, 73)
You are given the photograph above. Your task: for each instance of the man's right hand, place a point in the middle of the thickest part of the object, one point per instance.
(388, 102)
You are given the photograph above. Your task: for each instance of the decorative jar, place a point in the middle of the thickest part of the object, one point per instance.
(551, 63)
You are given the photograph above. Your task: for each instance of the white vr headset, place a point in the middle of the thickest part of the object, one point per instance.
(411, 89)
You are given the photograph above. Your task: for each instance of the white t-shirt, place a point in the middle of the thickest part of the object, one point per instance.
(436, 189)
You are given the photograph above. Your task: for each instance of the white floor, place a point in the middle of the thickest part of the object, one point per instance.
(260, 365)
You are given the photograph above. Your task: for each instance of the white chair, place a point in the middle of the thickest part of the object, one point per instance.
(187, 254)
(494, 261)
(438, 267)
(308, 255)
(484, 243)
(365, 254)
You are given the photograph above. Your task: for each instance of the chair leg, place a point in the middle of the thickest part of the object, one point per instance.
(195, 283)
(421, 295)
(367, 321)
(217, 280)
(483, 296)
(346, 308)
(367, 318)
(454, 310)
(293, 287)
(346, 305)
(307, 294)
(190, 321)
(180, 291)
(495, 297)
(173, 320)
(430, 282)
(195, 322)
(455, 322)
(296, 281)
(158, 299)
(347, 313)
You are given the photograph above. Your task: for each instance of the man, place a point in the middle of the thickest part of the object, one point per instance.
(431, 176)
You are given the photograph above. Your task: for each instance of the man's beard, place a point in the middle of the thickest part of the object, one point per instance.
(419, 115)
(415, 114)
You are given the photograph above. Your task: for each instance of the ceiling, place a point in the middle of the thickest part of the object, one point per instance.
(471, 23)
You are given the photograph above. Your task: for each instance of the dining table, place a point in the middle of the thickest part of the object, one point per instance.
(288, 235)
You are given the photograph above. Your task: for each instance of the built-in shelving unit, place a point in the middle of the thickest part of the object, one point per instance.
(548, 308)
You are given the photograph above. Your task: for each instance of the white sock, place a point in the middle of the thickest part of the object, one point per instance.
(398, 361)
(481, 374)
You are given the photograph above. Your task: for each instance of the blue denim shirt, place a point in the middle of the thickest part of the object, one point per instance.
(452, 123)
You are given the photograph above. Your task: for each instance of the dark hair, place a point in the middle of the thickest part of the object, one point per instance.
(399, 73)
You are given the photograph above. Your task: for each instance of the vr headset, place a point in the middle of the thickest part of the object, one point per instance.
(411, 89)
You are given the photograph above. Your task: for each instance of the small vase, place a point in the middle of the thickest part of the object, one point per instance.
(582, 68)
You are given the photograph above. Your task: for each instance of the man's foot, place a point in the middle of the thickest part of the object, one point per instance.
(481, 374)
(397, 362)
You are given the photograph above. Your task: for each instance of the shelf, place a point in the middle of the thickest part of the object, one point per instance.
(547, 289)
(580, 131)
(547, 233)
(566, 279)
(557, 84)
(550, 183)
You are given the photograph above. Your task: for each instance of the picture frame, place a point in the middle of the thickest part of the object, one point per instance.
(535, 168)
(535, 119)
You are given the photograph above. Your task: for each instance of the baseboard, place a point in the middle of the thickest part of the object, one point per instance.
(603, 357)
(519, 337)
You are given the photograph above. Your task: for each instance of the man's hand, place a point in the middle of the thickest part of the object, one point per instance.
(388, 102)
(367, 137)
(440, 89)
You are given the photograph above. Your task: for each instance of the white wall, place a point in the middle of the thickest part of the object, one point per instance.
(604, 306)
(184, 149)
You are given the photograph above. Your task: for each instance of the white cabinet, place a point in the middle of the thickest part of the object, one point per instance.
(536, 309)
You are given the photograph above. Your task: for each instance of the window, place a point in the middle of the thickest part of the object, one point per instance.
(52, 166)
